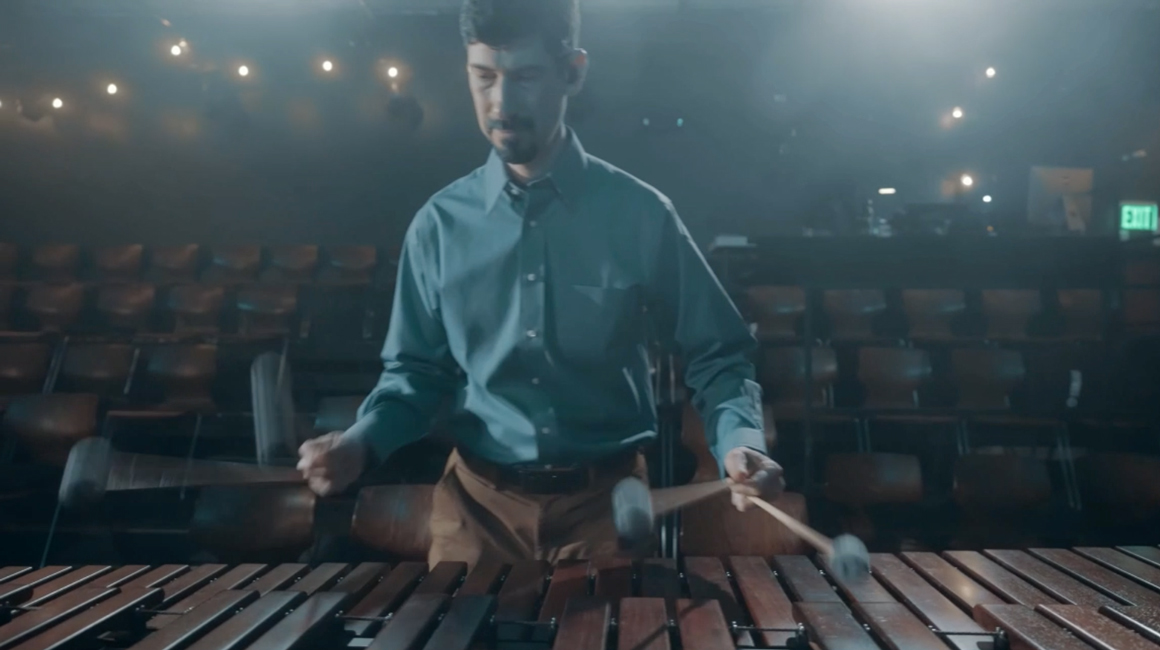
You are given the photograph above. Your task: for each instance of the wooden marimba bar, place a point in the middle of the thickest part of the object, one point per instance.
(1039, 599)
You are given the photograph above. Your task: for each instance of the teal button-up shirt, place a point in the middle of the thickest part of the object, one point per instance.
(531, 309)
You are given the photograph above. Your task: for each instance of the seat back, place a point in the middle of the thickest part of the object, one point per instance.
(985, 377)
(266, 523)
(9, 260)
(1142, 311)
(233, 263)
(1082, 312)
(350, 264)
(119, 263)
(931, 313)
(776, 310)
(290, 263)
(891, 377)
(55, 307)
(100, 368)
(126, 306)
(394, 519)
(999, 483)
(337, 413)
(23, 367)
(783, 373)
(186, 372)
(866, 479)
(48, 425)
(1120, 484)
(55, 262)
(174, 263)
(852, 312)
(1008, 312)
(266, 309)
(7, 291)
(196, 308)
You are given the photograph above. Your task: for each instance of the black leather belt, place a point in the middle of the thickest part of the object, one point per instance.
(537, 479)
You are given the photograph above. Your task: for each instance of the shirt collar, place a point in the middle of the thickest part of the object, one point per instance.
(566, 175)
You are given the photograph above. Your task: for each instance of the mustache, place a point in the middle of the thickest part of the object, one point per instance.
(518, 123)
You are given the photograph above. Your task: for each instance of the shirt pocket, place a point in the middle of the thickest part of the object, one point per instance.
(591, 320)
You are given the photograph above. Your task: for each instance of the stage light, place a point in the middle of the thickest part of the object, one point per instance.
(957, 113)
(966, 180)
(243, 71)
(392, 72)
(327, 66)
(183, 43)
(987, 199)
(57, 102)
(887, 191)
(175, 50)
(991, 73)
(111, 89)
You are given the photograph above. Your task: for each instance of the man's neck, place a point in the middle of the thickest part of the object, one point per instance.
(540, 166)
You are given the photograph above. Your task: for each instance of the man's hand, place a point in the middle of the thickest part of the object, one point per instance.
(752, 474)
(330, 464)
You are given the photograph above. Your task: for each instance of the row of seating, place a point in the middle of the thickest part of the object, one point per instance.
(259, 309)
(946, 315)
(193, 262)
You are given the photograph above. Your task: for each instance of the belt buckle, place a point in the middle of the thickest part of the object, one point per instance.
(551, 479)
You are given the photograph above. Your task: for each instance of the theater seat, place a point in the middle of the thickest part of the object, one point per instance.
(891, 379)
(1141, 314)
(715, 528)
(186, 373)
(55, 262)
(173, 263)
(863, 484)
(932, 313)
(337, 413)
(1083, 314)
(56, 307)
(47, 426)
(1120, 486)
(290, 263)
(254, 523)
(775, 310)
(117, 263)
(349, 264)
(853, 312)
(234, 263)
(9, 259)
(266, 309)
(1009, 312)
(7, 292)
(126, 306)
(783, 375)
(23, 368)
(985, 377)
(196, 308)
(100, 368)
(1002, 499)
(394, 519)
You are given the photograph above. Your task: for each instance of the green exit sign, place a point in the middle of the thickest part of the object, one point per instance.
(1139, 216)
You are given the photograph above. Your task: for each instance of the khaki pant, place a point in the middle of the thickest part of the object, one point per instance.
(472, 520)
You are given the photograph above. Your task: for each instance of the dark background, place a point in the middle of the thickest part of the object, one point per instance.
(784, 112)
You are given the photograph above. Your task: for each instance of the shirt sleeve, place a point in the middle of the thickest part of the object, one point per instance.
(696, 314)
(419, 373)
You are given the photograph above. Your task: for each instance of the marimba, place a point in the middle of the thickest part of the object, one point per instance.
(1042, 599)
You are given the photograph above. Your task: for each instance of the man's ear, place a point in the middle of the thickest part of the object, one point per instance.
(577, 71)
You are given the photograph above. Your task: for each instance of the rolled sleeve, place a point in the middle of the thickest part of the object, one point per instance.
(697, 315)
(419, 374)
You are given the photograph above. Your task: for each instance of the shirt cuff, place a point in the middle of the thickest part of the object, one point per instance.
(739, 437)
(382, 431)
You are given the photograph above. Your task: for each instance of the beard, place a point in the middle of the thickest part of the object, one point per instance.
(521, 147)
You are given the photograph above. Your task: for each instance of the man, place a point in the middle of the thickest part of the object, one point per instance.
(526, 294)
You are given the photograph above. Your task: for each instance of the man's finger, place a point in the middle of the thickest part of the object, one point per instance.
(745, 489)
(741, 502)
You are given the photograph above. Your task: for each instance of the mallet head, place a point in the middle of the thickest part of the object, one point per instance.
(632, 513)
(86, 473)
(850, 561)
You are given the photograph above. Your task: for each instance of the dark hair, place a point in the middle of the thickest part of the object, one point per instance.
(502, 22)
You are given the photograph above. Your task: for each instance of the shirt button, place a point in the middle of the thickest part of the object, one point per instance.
(531, 277)
(545, 431)
(532, 223)
(535, 381)
(531, 334)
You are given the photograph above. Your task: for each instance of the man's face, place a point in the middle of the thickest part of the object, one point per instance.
(520, 92)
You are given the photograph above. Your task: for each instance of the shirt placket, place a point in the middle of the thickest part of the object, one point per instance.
(533, 205)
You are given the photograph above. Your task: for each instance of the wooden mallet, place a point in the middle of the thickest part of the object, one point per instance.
(635, 509)
(94, 468)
